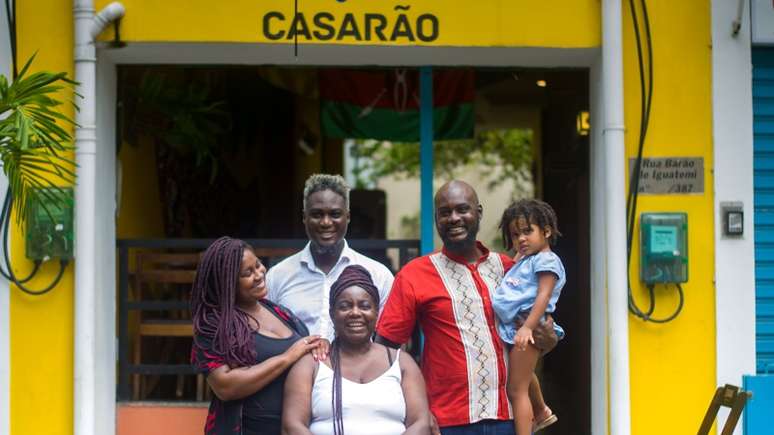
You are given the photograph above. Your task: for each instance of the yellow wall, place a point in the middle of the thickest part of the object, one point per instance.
(497, 22)
(41, 327)
(673, 365)
(139, 213)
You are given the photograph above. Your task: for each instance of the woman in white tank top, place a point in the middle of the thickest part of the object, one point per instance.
(364, 387)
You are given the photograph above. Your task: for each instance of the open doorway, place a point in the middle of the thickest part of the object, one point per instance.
(565, 185)
(271, 140)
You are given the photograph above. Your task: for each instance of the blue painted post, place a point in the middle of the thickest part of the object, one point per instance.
(426, 158)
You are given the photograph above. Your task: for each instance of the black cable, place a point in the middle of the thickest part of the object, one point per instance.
(644, 123)
(647, 316)
(5, 223)
(3, 272)
(10, 15)
(35, 267)
(646, 96)
(5, 215)
(62, 266)
(634, 181)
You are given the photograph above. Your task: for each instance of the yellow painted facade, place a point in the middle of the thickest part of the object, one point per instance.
(672, 366)
(42, 327)
(487, 23)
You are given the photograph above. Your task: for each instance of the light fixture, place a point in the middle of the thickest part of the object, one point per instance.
(582, 123)
(541, 83)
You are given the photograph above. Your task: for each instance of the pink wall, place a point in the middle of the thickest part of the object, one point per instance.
(154, 419)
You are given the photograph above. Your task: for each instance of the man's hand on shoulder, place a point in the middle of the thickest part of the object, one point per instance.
(544, 335)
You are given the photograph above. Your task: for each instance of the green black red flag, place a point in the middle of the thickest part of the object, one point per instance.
(383, 104)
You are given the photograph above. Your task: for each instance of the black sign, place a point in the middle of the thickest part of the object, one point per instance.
(367, 27)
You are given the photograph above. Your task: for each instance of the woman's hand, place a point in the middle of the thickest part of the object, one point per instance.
(320, 353)
(240, 382)
(523, 337)
(302, 347)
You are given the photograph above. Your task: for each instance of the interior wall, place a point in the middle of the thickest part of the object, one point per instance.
(272, 135)
(308, 158)
(139, 211)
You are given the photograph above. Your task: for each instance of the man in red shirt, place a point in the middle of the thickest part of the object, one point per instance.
(448, 294)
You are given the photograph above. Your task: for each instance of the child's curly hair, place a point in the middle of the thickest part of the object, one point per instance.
(533, 211)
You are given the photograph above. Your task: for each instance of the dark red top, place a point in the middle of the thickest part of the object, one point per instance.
(227, 417)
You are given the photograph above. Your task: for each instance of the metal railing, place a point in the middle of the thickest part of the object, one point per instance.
(406, 250)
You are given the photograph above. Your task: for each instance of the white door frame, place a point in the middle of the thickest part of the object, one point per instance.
(732, 137)
(318, 55)
(5, 288)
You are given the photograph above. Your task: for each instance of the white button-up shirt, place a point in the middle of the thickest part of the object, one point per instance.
(298, 284)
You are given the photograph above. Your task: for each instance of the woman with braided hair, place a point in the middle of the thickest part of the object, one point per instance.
(363, 387)
(242, 342)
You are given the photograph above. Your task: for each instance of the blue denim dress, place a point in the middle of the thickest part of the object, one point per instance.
(516, 294)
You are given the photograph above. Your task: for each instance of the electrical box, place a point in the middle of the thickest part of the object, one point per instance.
(663, 248)
(49, 232)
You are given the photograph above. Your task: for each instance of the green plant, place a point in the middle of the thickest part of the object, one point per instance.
(35, 141)
(183, 116)
(510, 150)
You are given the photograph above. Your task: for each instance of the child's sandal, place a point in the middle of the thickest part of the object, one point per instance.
(550, 419)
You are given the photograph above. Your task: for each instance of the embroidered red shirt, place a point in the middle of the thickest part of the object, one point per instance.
(463, 360)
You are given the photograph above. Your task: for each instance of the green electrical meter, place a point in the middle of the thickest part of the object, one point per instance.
(49, 233)
(664, 248)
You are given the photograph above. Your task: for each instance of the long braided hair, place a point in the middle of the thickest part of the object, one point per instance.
(351, 276)
(213, 299)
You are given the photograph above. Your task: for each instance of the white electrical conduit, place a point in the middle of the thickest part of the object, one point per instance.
(87, 27)
(615, 219)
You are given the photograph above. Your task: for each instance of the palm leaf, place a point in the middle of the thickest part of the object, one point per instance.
(35, 139)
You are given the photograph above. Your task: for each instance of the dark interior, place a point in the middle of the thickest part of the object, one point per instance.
(260, 172)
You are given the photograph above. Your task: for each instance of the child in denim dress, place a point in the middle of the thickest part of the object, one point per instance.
(529, 290)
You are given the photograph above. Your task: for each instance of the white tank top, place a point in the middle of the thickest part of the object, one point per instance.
(374, 408)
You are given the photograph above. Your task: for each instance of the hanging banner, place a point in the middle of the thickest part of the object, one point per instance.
(384, 103)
